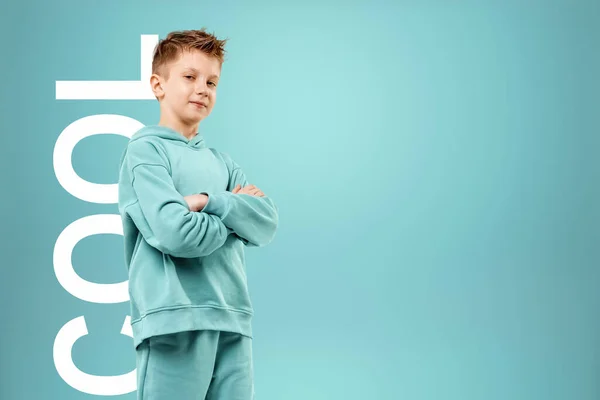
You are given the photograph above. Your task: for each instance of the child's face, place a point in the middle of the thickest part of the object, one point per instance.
(190, 91)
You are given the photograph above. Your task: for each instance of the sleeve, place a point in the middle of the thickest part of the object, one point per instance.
(253, 219)
(162, 214)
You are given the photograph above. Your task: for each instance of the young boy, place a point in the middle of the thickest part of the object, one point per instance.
(188, 212)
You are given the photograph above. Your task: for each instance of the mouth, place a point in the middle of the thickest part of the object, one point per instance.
(198, 104)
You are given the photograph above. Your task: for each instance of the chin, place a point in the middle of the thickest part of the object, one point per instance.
(201, 116)
(191, 119)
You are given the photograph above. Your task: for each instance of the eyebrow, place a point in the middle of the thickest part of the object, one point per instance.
(196, 71)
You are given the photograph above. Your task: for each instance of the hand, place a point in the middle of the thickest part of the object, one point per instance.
(196, 202)
(250, 189)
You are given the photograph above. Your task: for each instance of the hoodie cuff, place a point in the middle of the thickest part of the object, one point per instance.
(218, 203)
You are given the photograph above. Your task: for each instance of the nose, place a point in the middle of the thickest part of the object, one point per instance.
(201, 87)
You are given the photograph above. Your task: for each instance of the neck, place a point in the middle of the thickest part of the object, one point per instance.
(185, 129)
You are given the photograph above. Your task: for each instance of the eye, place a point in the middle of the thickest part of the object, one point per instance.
(189, 77)
(212, 83)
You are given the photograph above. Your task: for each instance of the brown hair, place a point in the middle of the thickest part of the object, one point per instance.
(171, 47)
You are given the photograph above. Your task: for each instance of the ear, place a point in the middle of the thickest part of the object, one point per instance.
(156, 85)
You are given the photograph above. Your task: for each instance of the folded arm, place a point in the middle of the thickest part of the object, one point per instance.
(161, 213)
(253, 219)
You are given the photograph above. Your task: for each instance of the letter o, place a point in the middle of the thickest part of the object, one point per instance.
(63, 267)
(68, 139)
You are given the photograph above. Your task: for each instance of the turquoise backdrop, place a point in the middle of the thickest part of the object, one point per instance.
(436, 168)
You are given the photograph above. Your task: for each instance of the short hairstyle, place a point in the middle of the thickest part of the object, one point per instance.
(170, 48)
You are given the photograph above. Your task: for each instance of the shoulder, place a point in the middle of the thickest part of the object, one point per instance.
(221, 155)
(226, 158)
(146, 150)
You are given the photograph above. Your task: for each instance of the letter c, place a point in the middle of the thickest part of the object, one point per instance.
(92, 384)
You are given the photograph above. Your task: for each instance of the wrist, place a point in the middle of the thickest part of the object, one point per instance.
(199, 202)
(217, 203)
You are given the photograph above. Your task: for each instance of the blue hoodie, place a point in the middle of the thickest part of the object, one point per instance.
(187, 269)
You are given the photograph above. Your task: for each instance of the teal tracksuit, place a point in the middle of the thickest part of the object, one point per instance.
(190, 307)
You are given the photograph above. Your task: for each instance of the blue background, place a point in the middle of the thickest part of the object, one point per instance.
(436, 168)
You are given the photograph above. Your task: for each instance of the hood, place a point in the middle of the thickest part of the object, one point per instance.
(169, 134)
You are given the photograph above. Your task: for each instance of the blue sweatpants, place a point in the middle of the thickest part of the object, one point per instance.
(195, 365)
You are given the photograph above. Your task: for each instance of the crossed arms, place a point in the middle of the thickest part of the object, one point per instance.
(174, 227)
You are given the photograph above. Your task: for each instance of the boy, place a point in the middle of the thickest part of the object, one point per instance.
(188, 212)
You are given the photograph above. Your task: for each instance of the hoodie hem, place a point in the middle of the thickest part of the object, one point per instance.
(191, 318)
